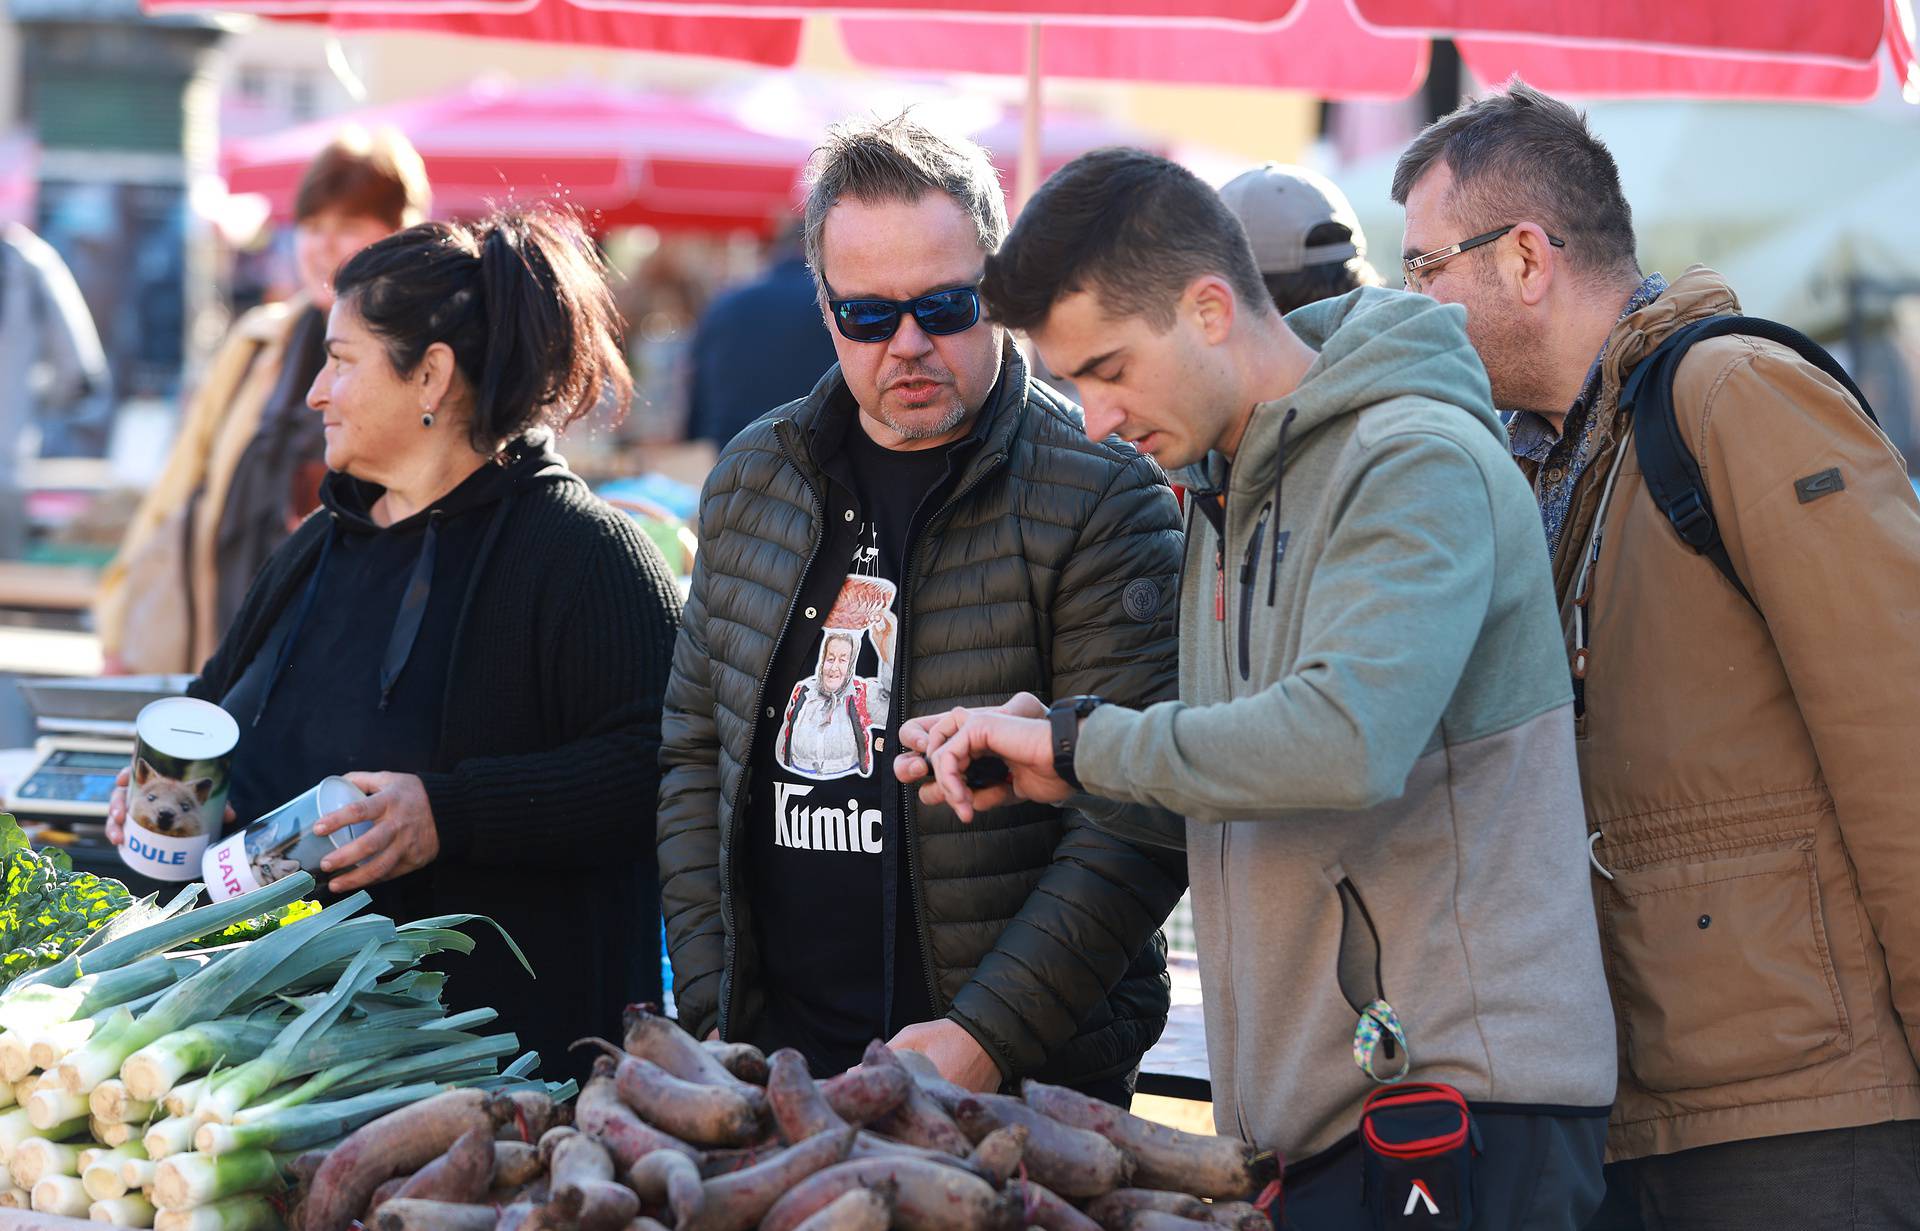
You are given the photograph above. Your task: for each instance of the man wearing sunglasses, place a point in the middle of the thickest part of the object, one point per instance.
(1747, 746)
(928, 527)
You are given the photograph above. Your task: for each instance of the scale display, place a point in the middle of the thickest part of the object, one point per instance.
(72, 778)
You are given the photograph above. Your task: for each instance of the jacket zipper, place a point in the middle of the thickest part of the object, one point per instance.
(1250, 569)
(903, 659)
(1220, 578)
(732, 838)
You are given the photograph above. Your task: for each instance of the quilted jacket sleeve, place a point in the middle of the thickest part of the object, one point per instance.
(689, 822)
(1103, 898)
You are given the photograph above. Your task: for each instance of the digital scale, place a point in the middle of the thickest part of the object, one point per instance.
(86, 739)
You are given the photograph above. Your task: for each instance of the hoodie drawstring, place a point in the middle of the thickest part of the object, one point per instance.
(1280, 536)
(413, 609)
(299, 619)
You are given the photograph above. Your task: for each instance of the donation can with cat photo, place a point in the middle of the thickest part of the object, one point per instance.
(282, 842)
(177, 796)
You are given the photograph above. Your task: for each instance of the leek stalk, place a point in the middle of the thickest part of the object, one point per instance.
(131, 1210)
(301, 1127)
(249, 1213)
(102, 1178)
(188, 1180)
(201, 996)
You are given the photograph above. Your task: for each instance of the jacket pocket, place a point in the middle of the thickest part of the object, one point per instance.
(1721, 969)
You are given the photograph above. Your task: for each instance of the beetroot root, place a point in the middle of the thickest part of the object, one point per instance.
(999, 1153)
(583, 1191)
(743, 1060)
(1219, 1168)
(928, 1197)
(1115, 1210)
(1073, 1162)
(396, 1143)
(462, 1175)
(515, 1164)
(863, 1209)
(1239, 1215)
(413, 1214)
(673, 1180)
(661, 1040)
(799, 1108)
(738, 1201)
(1155, 1220)
(601, 1112)
(1043, 1208)
(695, 1113)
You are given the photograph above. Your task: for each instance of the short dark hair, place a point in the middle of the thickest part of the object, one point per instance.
(374, 174)
(1326, 280)
(1132, 227)
(521, 299)
(899, 160)
(1518, 155)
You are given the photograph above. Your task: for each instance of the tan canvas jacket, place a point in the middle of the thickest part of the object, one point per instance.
(1753, 778)
(163, 578)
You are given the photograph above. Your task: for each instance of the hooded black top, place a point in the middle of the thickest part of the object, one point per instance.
(353, 674)
(510, 646)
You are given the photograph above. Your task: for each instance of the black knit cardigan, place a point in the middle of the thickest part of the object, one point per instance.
(546, 775)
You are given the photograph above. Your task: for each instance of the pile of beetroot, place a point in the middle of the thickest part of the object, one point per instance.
(673, 1133)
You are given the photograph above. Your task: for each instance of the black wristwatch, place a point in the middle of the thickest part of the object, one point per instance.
(1063, 718)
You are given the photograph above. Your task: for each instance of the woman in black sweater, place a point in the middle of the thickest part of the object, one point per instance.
(465, 631)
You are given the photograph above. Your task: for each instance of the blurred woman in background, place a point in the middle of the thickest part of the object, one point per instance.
(246, 465)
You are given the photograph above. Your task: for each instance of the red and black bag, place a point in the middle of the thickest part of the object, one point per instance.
(1417, 1144)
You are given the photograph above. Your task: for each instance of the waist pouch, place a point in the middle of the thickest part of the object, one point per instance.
(1417, 1146)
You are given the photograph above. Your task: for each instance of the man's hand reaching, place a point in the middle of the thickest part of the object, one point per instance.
(942, 747)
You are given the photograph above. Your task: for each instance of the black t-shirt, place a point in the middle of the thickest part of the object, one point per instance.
(833, 914)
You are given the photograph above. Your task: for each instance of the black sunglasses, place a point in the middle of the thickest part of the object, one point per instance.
(954, 310)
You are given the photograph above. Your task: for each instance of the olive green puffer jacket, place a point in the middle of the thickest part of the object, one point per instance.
(1052, 569)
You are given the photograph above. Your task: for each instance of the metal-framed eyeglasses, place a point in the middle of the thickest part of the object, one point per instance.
(1413, 268)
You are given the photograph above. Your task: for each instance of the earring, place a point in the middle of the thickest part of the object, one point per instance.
(426, 420)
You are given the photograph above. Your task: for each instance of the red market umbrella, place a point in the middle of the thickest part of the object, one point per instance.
(620, 158)
(1334, 48)
(756, 40)
(1614, 73)
(1747, 49)
(1319, 47)
(1848, 31)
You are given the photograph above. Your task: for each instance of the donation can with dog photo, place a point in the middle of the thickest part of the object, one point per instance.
(281, 843)
(177, 799)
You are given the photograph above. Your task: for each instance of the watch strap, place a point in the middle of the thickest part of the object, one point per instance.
(1063, 721)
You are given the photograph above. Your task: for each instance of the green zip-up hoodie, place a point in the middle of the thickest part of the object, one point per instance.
(1373, 749)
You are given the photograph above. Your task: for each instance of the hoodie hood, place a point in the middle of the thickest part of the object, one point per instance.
(1374, 345)
(530, 459)
(349, 505)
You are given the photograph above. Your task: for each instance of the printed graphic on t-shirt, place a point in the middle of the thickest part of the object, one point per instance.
(831, 717)
(836, 718)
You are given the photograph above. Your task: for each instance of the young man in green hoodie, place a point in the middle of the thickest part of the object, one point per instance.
(1371, 763)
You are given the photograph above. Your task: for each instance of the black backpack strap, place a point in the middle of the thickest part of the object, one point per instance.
(1672, 475)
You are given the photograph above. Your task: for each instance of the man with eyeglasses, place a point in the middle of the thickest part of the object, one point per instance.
(929, 527)
(1747, 738)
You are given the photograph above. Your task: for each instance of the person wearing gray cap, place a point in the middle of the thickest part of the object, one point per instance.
(1306, 238)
